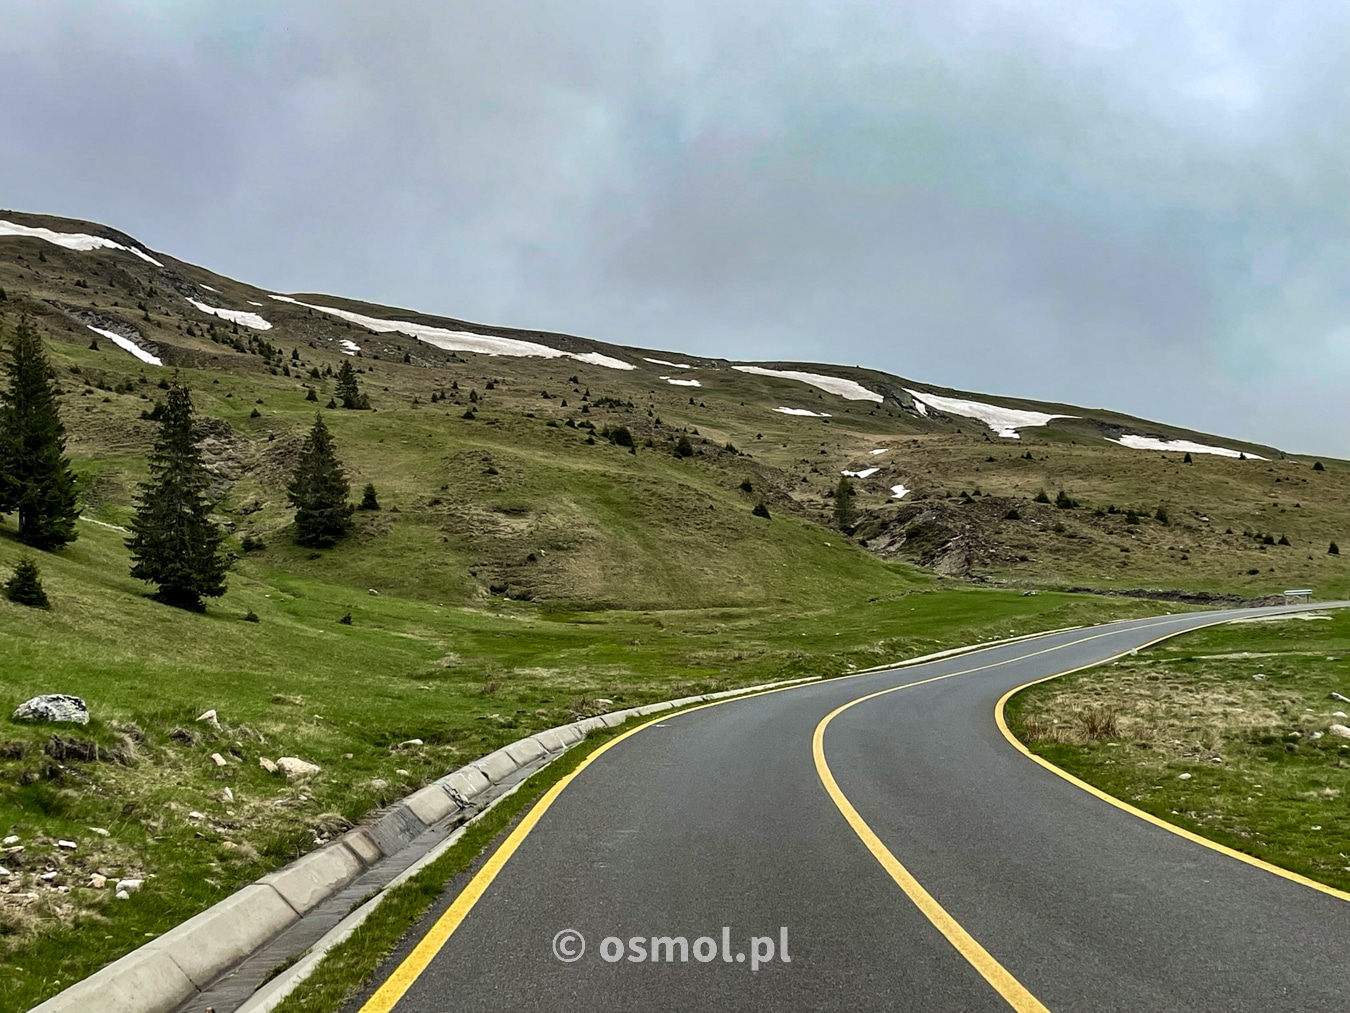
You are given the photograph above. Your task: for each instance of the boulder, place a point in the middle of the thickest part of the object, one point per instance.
(267, 765)
(294, 767)
(56, 707)
(1340, 730)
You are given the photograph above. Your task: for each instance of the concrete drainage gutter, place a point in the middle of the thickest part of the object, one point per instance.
(170, 970)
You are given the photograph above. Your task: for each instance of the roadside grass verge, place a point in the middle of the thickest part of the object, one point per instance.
(1225, 732)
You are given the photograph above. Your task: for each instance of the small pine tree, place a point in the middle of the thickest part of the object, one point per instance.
(843, 504)
(1064, 501)
(331, 403)
(1161, 515)
(25, 587)
(348, 389)
(318, 491)
(35, 476)
(684, 448)
(173, 542)
(1334, 549)
(1187, 459)
(1041, 497)
(310, 395)
(761, 510)
(368, 500)
(746, 486)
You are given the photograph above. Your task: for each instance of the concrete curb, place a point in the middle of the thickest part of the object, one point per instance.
(164, 973)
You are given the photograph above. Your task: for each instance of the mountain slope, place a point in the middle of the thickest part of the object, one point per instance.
(604, 526)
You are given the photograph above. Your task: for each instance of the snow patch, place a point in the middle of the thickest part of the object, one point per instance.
(1004, 421)
(682, 383)
(882, 450)
(1180, 446)
(899, 492)
(128, 345)
(252, 303)
(461, 341)
(234, 316)
(349, 347)
(209, 288)
(663, 362)
(594, 358)
(72, 240)
(803, 411)
(848, 389)
(866, 472)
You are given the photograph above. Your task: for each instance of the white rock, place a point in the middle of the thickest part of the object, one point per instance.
(409, 743)
(194, 815)
(55, 707)
(1259, 677)
(48, 876)
(372, 591)
(1317, 735)
(68, 845)
(98, 830)
(1340, 730)
(226, 795)
(217, 759)
(123, 895)
(267, 765)
(98, 882)
(1183, 777)
(11, 839)
(5, 873)
(210, 718)
(378, 783)
(294, 767)
(1335, 714)
(402, 773)
(129, 885)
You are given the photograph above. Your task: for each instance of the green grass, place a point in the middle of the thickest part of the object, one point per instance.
(1263, 780)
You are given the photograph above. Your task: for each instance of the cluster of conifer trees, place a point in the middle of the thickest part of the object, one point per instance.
(174, 543)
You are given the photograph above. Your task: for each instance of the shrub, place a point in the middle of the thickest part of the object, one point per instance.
(255, 414)
(25, 587)
(1284, 540)
(761, 511)
(1318, 467)
(346, 619)
(746, 486)
(1131, 517)
(1064, 501)
(620, 437)
(1012, 515)
(1041, 497)
(686, 449)
(250, 544)
(1333, 549)
(1161, 515)
(310, 395)
(251, 617)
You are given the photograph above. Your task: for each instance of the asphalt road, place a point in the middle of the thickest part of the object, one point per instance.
(718, 821)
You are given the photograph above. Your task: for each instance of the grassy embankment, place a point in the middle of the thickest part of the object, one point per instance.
(1245, 710)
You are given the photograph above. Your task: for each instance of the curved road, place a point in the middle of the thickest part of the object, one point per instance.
(916, 859)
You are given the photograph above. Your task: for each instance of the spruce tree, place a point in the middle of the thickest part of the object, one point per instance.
(174, 544)
(348, 390)
(35, 475)
(25, 587)
(368, 498)
(318, 491)
(843, 504)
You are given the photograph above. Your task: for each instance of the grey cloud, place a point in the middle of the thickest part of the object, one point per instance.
(1138, 205)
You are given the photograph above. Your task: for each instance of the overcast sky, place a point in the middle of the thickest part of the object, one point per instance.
(1138, 205)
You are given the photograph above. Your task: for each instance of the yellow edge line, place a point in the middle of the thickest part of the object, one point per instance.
(397, 984)
(1222, 849)
(407, 972)
(1012, 990)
